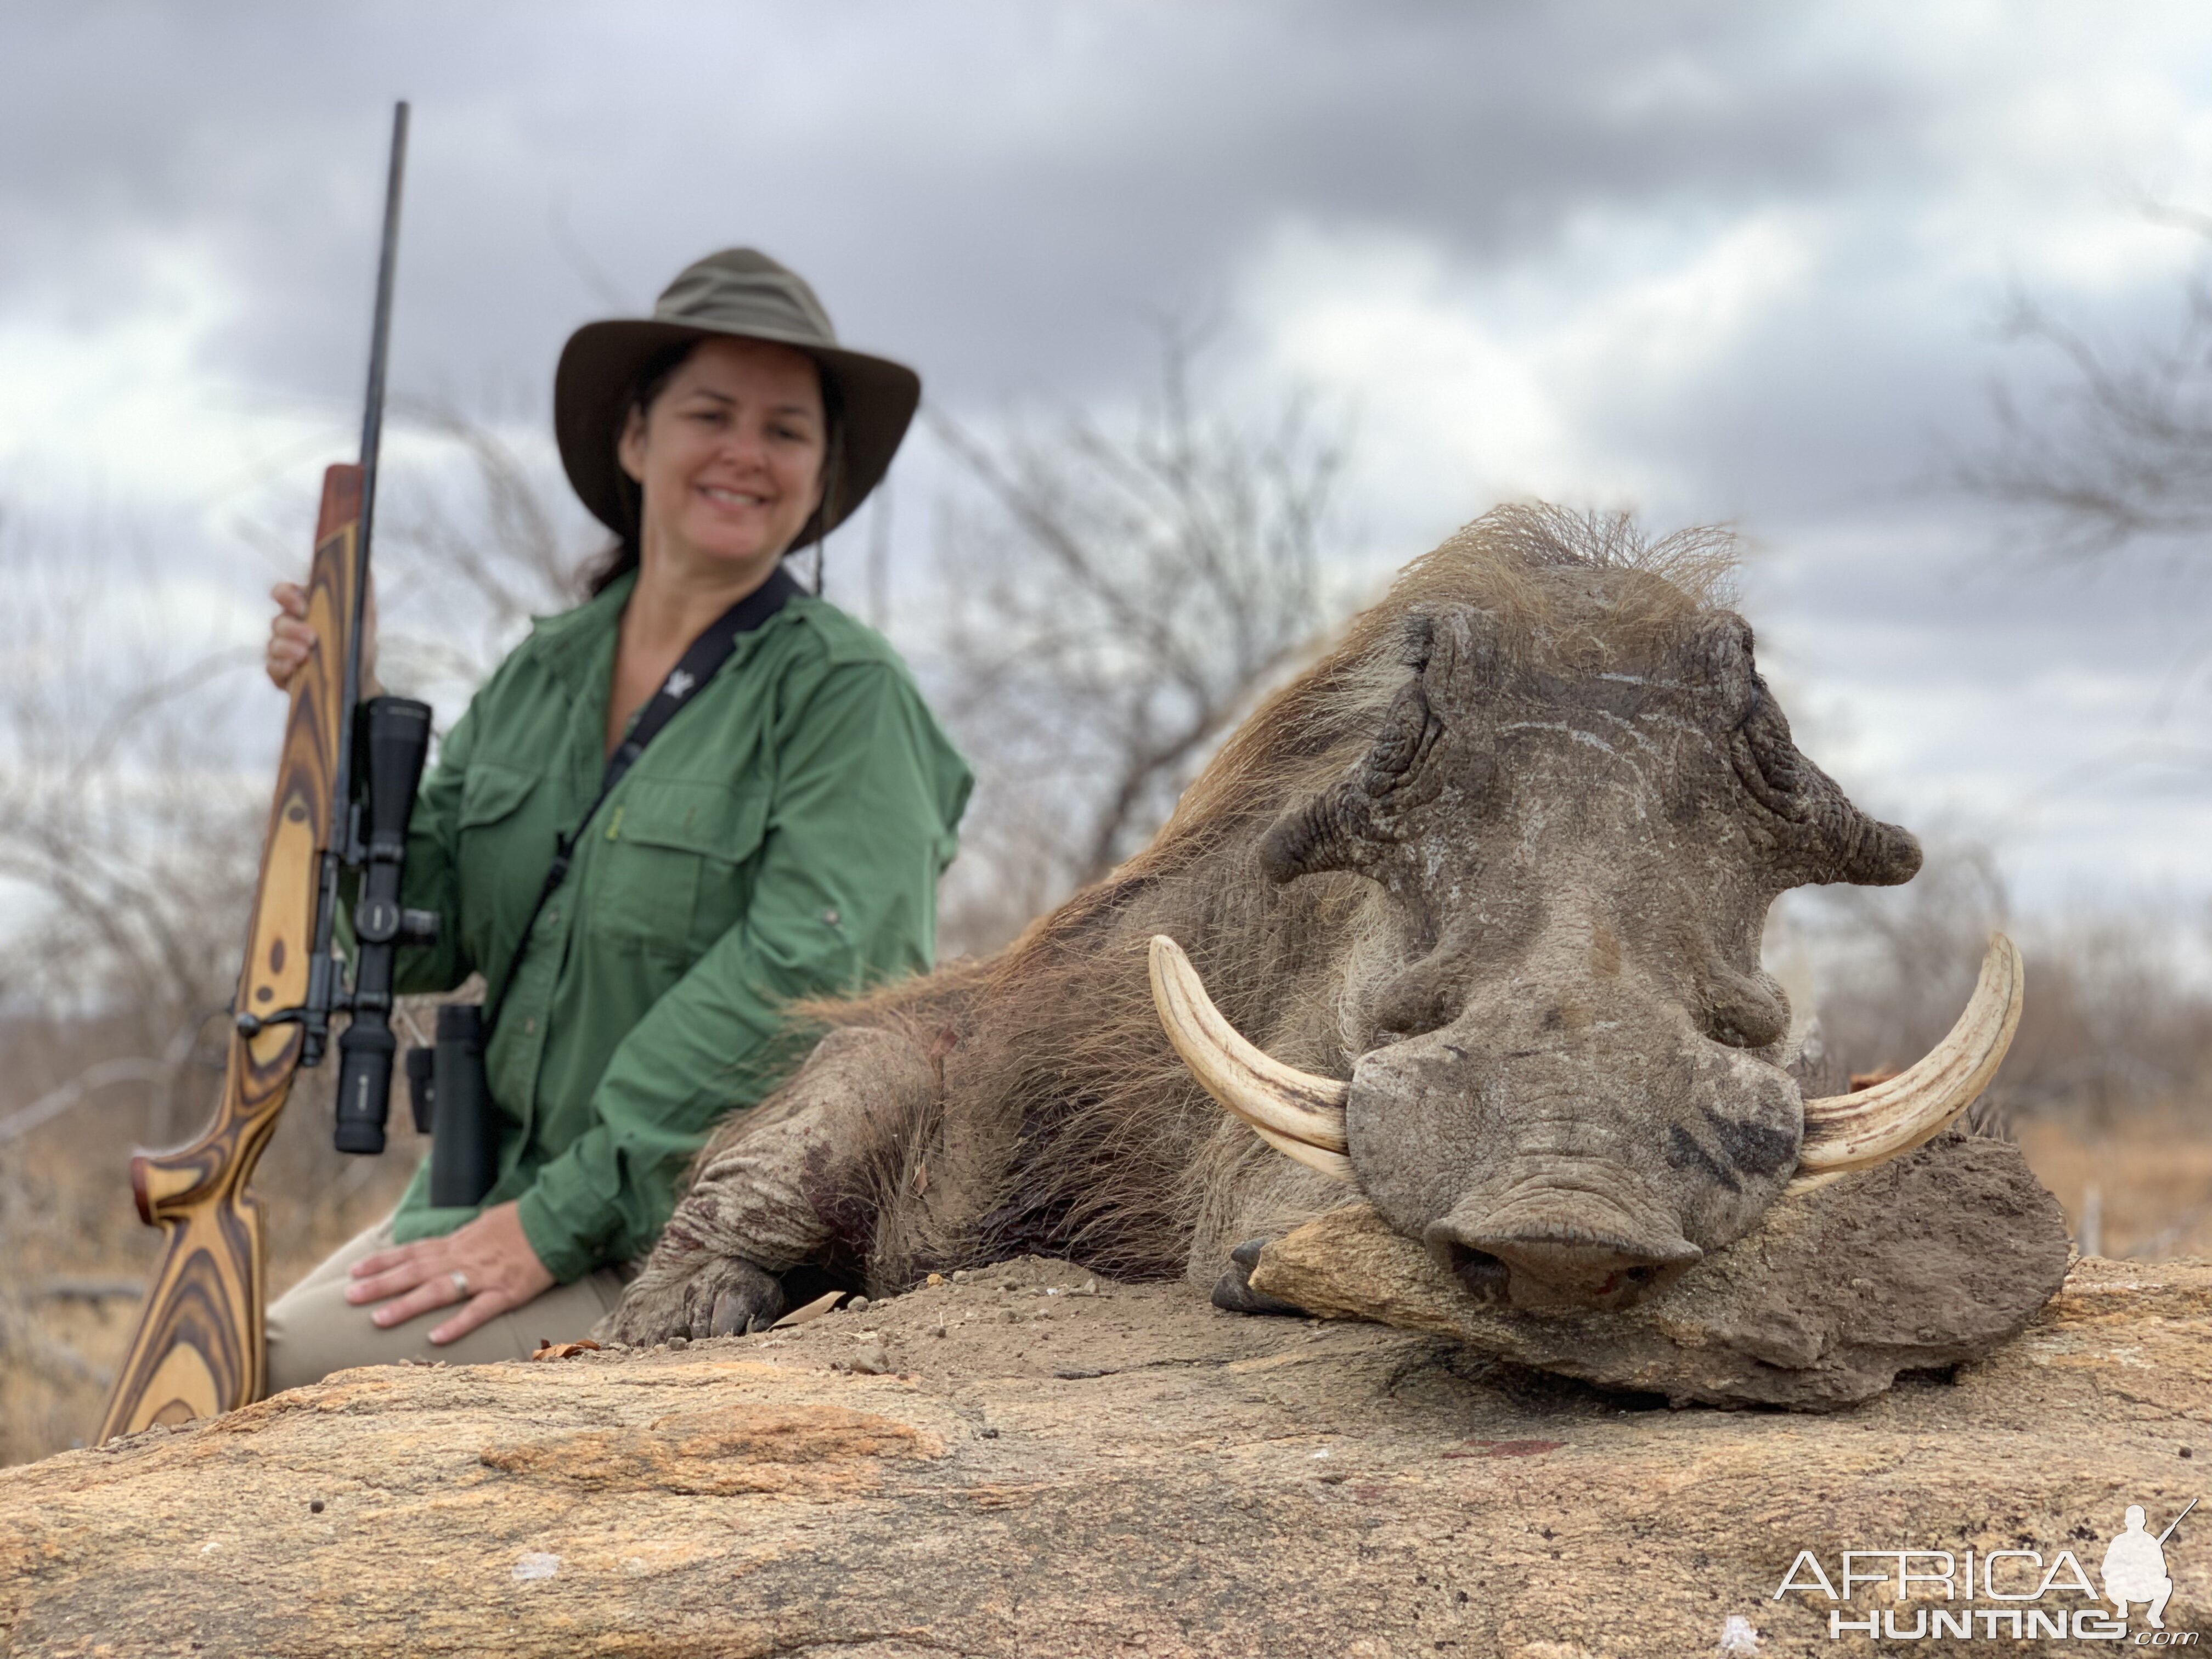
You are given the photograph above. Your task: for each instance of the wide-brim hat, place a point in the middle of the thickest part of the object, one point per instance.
(745, 294)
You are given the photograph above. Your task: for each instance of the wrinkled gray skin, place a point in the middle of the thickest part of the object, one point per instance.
(1524, 922)
(1576, 1082)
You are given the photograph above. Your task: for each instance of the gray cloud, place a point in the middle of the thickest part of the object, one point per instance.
(1004, 191)
(1006, 187)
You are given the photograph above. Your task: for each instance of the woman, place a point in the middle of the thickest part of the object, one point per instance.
(781, 838)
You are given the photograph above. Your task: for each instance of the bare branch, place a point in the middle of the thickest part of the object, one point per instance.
(1118, 593)
(86, 1083)
(2119, 450)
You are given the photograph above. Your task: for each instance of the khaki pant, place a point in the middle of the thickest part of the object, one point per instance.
(314, 1330)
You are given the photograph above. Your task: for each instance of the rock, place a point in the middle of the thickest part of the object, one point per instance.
(1922, 1263)
(871, 1359)
(1148, 1486)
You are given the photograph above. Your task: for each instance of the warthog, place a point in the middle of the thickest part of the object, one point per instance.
(1465, 921)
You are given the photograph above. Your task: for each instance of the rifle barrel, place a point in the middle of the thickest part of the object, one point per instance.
(342, 850)
(372, 422)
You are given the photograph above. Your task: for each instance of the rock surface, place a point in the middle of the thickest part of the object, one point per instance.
(1934, 1258)
(1120, 1473)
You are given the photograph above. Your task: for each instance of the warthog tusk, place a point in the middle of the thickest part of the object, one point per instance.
(1299, 1114)
(1855, 1131)
(1302, 1116)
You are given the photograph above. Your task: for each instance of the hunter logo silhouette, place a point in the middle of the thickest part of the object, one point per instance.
(2135, 1566)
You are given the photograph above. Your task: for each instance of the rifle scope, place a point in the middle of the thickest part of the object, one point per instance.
(394, 732)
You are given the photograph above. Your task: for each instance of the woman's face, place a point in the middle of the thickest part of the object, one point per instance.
(729, 457)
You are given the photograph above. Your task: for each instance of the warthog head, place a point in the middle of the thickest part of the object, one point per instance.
(1566, 1065)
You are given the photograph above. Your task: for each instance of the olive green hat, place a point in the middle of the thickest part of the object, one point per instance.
(747, 295)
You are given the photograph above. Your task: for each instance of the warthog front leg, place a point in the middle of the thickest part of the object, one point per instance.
(801, 1176)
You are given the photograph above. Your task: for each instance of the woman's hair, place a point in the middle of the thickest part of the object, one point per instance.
(605, 569)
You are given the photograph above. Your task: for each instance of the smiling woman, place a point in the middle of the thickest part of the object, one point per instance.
(781, 840)
(726, 444)
(736, 454)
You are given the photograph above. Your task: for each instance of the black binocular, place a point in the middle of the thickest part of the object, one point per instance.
(453, 1105)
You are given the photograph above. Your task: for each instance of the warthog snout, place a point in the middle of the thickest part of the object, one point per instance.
(1553, 1243)
(1556, 1220)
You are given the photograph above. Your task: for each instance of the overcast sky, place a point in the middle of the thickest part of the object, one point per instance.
(1710, 261)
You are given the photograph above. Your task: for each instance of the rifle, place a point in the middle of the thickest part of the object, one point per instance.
(345, 787)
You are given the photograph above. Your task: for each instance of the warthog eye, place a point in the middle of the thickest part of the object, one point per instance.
(1425, 997)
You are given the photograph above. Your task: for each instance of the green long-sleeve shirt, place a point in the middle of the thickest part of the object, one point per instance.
(781, 838)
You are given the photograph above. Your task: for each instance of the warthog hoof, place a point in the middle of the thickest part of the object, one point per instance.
(726, 1295)
(1233, 1291)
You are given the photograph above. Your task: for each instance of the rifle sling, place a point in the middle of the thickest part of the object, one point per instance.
(702, 660)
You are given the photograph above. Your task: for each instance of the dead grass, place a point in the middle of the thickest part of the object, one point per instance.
(2152, 1169)
(71, 1235)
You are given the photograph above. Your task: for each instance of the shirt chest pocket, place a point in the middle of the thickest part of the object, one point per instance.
(676, 865)
(500, 833)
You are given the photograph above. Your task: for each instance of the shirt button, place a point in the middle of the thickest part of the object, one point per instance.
(830, 917)
(530, 1026)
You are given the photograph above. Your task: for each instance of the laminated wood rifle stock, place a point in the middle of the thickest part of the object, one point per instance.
(197, 1348)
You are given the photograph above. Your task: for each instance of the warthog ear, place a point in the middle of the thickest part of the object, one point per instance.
(1349, 824)
(1818, 825)
(1452, 652)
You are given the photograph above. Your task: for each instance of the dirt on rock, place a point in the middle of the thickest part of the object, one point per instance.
(1081, 1472)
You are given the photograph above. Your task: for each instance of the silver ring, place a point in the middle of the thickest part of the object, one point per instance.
(460, 1281)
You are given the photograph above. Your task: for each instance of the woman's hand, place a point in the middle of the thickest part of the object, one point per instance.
(291, 640)
(488, 1265)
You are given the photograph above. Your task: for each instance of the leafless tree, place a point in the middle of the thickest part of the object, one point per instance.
(471, 548)
(2113, 455)
(124, 826)
(1117, 594)
(476, 534)
(1894, 967)
(2114, 1017)
(2120, 449)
